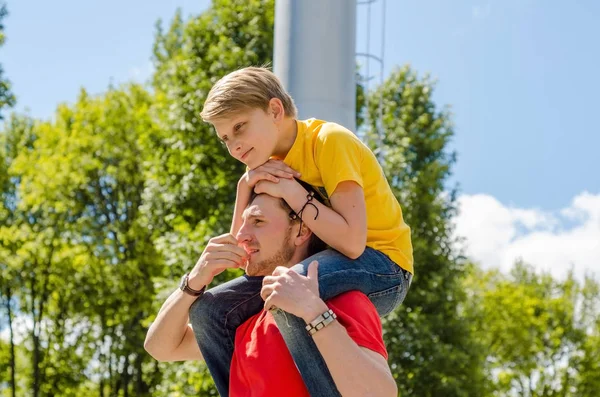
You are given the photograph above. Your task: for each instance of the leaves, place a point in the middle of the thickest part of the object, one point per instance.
(7, 98)
(103, 209)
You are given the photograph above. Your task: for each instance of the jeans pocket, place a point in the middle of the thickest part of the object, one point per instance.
(387, 300)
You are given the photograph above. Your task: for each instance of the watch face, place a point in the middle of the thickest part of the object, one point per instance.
(183, 282)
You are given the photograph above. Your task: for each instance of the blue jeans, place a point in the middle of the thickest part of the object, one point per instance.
(216, 315)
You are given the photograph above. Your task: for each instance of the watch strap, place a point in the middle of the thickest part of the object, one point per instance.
(186, 288)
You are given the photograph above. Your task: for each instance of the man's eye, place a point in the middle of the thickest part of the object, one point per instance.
(257, 221)
(238, 126)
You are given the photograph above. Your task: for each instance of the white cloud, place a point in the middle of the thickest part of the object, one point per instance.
(497, 235)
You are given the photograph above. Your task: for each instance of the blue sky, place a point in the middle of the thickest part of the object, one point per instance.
(521, 77)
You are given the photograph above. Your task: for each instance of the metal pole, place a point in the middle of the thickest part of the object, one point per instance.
(315, 42)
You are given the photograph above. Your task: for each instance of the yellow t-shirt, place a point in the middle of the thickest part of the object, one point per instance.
(326, 154)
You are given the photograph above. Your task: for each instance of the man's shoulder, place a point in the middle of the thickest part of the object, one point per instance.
(352, 301)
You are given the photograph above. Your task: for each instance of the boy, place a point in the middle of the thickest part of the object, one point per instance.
(371, 250)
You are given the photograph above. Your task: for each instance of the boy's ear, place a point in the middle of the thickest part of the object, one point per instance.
(276, 109)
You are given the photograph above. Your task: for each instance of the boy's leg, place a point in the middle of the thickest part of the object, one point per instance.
(372, 273)
(215, 317)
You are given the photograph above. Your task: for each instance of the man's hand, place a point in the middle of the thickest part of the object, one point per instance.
(271, 171)
(294, 293)
(222, 252)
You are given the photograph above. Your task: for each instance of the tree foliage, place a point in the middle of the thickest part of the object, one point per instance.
(104, 207)
(7, 98)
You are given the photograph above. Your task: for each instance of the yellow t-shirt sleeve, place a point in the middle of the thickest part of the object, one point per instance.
(338, 156)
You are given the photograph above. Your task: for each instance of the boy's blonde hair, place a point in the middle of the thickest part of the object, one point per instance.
(246, 89)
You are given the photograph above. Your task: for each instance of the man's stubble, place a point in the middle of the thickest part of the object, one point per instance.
(281, 258)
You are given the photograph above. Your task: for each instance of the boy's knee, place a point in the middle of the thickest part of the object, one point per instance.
(204, 308)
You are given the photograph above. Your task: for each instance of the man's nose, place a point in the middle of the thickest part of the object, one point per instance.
(242, 235)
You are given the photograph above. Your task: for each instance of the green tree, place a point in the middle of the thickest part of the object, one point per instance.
(7, 98)
(194, 178)
(105, 207)
(85, 254)
(587, 363)
(431, 349)
(18, 136)
(191, 178)
(539, 332)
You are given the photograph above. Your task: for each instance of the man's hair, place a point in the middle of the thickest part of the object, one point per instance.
(315, 244)
(246, 89)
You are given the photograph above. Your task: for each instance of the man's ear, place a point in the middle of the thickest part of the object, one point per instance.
(304, 236)
(276, 109)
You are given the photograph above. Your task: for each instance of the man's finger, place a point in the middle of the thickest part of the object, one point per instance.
(231, 256)
(266, 291)
(219, 265)
(279, 270)
(268, 280)
(226, 238)
(269, 302)
(235, 249)
(313, 270)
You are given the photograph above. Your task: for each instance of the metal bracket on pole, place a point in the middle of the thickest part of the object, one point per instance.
(379, 151)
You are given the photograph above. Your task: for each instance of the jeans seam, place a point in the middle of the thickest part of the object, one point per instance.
(389, 291)
(231, 310)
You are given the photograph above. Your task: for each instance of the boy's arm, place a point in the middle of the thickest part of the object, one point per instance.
(344, 226)
(242, 198)
(342, 159)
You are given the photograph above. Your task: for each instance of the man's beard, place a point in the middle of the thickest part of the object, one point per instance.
(280, 258)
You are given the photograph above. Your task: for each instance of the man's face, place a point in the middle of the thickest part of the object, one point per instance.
(266, 234)
(250, 136)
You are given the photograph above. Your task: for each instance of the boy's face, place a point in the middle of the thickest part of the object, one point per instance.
(250, 136)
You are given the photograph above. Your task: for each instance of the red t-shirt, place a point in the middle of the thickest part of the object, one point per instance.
(262, 364)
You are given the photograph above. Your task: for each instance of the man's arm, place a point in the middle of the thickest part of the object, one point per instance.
(170, 338)
(357, 371)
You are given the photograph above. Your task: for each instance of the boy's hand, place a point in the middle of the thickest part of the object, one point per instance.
(271, 171)
(282, 189)
(221, 252)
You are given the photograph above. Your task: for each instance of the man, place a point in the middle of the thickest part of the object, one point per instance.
(351, 346)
